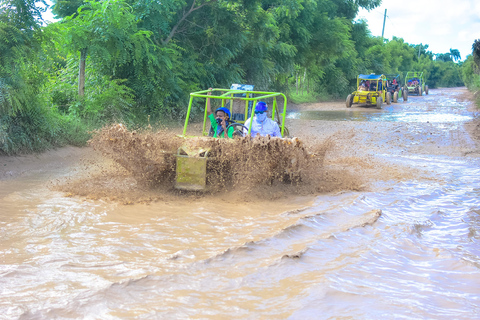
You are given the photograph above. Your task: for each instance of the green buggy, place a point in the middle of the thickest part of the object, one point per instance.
(191, 160)
(415, 83)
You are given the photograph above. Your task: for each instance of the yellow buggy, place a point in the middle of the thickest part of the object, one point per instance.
(371, 91)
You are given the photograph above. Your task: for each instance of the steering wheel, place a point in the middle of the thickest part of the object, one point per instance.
(238, 129)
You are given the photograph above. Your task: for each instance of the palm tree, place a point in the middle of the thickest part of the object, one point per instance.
(455, 54)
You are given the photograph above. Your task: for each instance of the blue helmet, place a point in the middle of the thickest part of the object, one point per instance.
(227, 112)
(261, 106)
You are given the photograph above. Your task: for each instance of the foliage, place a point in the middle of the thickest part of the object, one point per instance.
(26, 121)
(18, 42)
(471, 75)
(37, 129)
(476, 51)
(62, 8)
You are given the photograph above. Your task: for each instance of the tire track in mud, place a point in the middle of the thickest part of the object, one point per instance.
(306, 234)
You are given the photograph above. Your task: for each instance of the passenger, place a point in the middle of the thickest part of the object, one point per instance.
(262, 125)
(362, 86)
(219, 121)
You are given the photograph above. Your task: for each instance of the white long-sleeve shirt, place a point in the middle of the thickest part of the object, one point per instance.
(267, 127)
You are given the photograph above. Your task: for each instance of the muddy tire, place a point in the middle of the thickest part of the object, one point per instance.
(405, 95)
(420, 90)
(395, 97)
(388, 97)
(379, 102)
(349, 101)
(426, 89)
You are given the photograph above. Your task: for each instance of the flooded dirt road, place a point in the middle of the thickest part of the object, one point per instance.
(398, 237)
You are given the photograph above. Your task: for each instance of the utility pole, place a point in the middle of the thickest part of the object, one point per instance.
(384, 17)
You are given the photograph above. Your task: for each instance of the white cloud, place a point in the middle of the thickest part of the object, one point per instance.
(442, 24)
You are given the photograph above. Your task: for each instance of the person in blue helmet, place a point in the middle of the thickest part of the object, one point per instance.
(219, 121)
(262, 125)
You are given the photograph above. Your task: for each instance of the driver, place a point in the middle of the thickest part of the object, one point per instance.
(220, 121)
(262, 125)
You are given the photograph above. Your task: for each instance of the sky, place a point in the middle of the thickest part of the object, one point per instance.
(442, 24)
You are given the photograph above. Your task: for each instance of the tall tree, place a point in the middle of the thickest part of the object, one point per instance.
(476, 51)
(106, 30)
(19, 26)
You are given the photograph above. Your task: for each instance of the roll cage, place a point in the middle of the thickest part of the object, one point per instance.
(248, 111)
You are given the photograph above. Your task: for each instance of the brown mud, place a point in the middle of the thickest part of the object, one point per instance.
(140, 167)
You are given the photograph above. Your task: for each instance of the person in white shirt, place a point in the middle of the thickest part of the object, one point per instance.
(262, 125)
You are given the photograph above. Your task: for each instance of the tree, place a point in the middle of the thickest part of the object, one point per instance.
(19, 34)
(476, 51)
(455, 54)
(108, 31)
(65, 8)
(445, 57)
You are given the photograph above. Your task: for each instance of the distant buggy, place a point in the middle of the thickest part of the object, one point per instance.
(371, 91)
(395, 89)
(415, 83)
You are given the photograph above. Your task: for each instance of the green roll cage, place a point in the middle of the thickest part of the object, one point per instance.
(414, 74)
(228, 94)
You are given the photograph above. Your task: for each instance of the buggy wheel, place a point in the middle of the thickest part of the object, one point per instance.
(389, 98)
(426, 89)
(419, 90)
(379, 102)
(238, 129)
(405, 95)
(395, 97)
(349, 101)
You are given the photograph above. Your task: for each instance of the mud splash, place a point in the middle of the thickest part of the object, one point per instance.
(140, 167)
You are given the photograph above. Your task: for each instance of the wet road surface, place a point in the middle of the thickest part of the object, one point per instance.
(399, 249)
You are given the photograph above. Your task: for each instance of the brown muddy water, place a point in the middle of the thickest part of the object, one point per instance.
(392, 234)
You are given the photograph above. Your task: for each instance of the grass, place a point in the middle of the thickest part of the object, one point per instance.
(306, 97)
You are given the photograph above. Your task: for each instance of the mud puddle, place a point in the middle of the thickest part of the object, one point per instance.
(386, 114)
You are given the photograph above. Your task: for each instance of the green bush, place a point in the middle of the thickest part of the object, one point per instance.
(38, 129)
